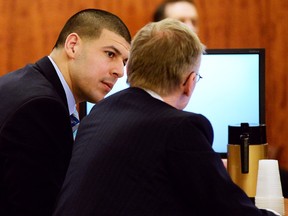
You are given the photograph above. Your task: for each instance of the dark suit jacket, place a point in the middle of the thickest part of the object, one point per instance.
(135, 155)
(35, 140)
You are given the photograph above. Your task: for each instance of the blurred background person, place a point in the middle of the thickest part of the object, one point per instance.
(183, 10)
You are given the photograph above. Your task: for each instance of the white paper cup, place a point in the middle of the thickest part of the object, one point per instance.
(269, 190)
(268, 180)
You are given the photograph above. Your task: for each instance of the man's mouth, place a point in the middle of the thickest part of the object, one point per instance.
(109, 85)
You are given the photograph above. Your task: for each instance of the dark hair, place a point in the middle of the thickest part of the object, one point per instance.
(89, 24)
(159, 13)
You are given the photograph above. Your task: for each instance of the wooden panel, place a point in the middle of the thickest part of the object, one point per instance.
(241, 23)
(30, 28)
(228, 23)
(277, 78)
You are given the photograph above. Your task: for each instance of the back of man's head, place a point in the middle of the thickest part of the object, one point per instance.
(161, 54)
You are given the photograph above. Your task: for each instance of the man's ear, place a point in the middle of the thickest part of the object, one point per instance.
(189, 84)
(71, 44)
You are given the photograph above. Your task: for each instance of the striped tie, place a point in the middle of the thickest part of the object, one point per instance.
(74, 122)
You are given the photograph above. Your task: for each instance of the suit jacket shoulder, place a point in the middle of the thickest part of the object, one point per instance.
(28, 83)
(35, 139)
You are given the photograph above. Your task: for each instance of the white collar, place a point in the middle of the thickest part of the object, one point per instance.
(70, 98)
(154, 94)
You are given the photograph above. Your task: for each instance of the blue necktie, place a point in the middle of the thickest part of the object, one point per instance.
(74, 122)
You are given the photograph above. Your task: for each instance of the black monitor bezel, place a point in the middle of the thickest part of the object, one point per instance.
(261, 53)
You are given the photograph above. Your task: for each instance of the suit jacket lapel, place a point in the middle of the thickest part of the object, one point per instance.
(45, 67)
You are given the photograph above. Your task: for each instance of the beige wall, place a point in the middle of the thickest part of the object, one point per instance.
(29, 30)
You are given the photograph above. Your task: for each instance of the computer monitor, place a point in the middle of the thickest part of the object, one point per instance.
(232, 91)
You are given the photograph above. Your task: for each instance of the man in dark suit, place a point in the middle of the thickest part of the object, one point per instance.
(138, 153)
(36, 101)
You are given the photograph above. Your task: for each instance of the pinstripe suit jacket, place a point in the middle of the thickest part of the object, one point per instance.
(135, 155)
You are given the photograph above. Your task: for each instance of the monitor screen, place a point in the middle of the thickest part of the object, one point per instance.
(232, 91)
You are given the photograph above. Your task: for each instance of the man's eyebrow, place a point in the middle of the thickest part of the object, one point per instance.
(117, 52)
(114, 48)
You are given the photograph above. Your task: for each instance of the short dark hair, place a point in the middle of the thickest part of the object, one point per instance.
(159, 13)
(89, 24)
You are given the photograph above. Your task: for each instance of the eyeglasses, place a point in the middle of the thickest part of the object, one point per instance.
(198, 77)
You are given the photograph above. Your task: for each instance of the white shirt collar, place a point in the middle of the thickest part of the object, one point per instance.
(154, 94)
(70, 98)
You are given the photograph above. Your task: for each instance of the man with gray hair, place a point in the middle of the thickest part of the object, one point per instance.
(138, 152)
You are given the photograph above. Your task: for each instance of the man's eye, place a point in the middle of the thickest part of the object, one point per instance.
(110, 54)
